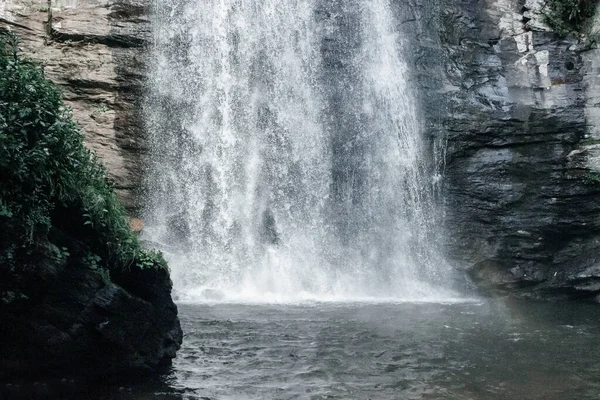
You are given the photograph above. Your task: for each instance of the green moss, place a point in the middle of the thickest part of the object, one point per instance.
(589, 142)
(569, 16)
(592, 179)
(52, 188)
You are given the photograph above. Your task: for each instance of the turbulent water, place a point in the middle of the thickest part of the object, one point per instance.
(288, 162)
(460, 351)
(427, 351)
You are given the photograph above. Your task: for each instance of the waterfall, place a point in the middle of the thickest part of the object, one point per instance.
(287, 158)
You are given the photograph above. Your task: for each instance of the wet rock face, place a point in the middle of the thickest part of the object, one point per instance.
(94, 51)
(517, 106)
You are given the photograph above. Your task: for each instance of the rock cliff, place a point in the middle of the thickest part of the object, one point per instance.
(512, 110)
(515, 108)
(94, 51)
(69, 305)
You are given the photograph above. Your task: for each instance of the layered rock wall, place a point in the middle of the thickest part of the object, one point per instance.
(517, 108)
(95, 51)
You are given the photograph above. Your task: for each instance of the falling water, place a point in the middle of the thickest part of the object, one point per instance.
(287, 156)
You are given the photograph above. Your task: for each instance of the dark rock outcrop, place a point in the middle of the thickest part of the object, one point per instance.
(72, 321)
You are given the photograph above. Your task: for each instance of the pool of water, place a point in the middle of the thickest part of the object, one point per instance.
(471, 350)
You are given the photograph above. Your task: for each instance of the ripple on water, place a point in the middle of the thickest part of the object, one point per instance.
(386, 350)
(464, 351)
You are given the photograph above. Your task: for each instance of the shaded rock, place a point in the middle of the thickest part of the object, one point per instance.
(76, 323)
(515, 107)
(268, 228)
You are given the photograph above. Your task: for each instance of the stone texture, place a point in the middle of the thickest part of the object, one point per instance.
(516, 107)
(71, 321)
(94, 51)
(66, 320)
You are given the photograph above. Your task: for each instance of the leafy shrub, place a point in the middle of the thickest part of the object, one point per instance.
(592, 179)
(52, 188)
(567, 16)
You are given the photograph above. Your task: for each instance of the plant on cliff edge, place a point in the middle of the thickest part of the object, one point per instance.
(53, 189)
(569, 16)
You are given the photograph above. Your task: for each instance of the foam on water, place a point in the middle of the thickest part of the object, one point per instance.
(202, 295)
(251, 296)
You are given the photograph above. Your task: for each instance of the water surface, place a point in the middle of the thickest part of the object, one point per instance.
(471, 350)
(474, 350)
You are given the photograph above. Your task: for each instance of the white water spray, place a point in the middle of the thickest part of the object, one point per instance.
(287, 157)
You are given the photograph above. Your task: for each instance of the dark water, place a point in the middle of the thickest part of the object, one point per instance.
(488, 350)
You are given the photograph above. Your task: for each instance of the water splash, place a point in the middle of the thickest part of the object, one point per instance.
(287, 156)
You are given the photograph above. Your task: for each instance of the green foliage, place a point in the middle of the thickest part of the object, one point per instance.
(589, 142)
(592, 179)
(94, 262)
(51, 185)
(569, 16)
(151, 259)
(61, 254)
(100, 109)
